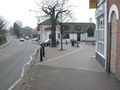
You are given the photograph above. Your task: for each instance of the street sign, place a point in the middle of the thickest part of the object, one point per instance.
(92, 4)
(47, 29)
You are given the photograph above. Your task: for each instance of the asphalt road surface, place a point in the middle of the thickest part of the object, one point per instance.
(12, 58)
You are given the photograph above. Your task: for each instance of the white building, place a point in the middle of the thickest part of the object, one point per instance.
(71, 31)
(45, 30)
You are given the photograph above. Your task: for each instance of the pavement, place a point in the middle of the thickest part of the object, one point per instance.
(74, 68)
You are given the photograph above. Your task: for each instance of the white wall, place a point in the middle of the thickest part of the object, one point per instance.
(83, 37)
(73, 36)
(44, 35)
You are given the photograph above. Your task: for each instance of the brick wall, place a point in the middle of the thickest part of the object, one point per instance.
(117, 3)
(118, 50)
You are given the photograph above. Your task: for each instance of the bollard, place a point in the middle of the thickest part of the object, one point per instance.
(43, 49)
(41, 56)
(77, 44)
(72, 43)
(66, 42)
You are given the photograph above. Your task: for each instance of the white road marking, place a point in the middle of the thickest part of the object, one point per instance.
(15, 84)
(23, 70)
(22, 74)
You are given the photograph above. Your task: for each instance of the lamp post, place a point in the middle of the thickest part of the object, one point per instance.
(61, 31)
(38, 21)
(42, 49)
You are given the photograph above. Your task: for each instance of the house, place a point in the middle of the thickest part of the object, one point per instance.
(71, 31)
(108, 35)
(78, 31)
(27, 31)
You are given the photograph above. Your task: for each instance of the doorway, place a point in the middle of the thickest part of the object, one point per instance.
(78, 37)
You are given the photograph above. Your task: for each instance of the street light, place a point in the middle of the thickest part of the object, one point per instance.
(38, 17)
(42, 49)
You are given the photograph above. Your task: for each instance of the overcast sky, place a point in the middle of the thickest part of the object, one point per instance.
(13, 10)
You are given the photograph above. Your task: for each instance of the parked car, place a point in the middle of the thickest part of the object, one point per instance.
(48, 42)
(35, 39)
(22, 39)
(27, 37)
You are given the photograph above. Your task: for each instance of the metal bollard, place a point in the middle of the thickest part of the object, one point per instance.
(77, 44)
(66, 42)
(43, 49)
(41, 55)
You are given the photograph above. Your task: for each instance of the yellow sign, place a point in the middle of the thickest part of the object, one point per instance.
(92, 3)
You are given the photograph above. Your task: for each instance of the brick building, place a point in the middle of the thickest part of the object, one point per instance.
(113, 37)
(71, 31)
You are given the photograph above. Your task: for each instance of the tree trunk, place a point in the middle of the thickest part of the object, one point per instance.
(53, 28)
(54, 34)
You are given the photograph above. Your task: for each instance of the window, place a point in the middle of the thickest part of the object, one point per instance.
(50, 36)
(65, 27)
(58, 35)
(90, 32)
(77, 28)
(100, 23)
(100, 41)
(100, 34)
(100, 48)
(100, 1)
(66, 36)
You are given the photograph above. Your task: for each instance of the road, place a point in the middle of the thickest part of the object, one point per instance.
(12, 58)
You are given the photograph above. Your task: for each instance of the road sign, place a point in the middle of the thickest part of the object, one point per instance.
(48, 29)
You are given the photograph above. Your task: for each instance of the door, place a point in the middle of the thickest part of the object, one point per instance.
(78, 37)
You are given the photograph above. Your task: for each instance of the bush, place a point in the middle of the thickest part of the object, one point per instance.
(2, 39)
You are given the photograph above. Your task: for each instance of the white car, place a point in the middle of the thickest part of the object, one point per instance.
(35, 39)
(27, 38)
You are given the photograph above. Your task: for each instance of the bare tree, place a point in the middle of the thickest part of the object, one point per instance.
(53, 9)
(2, 25)
(2, 31)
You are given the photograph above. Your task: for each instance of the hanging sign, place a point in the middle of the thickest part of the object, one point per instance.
(92, 4)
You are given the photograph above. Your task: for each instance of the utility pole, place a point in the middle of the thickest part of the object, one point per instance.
(38, 21)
